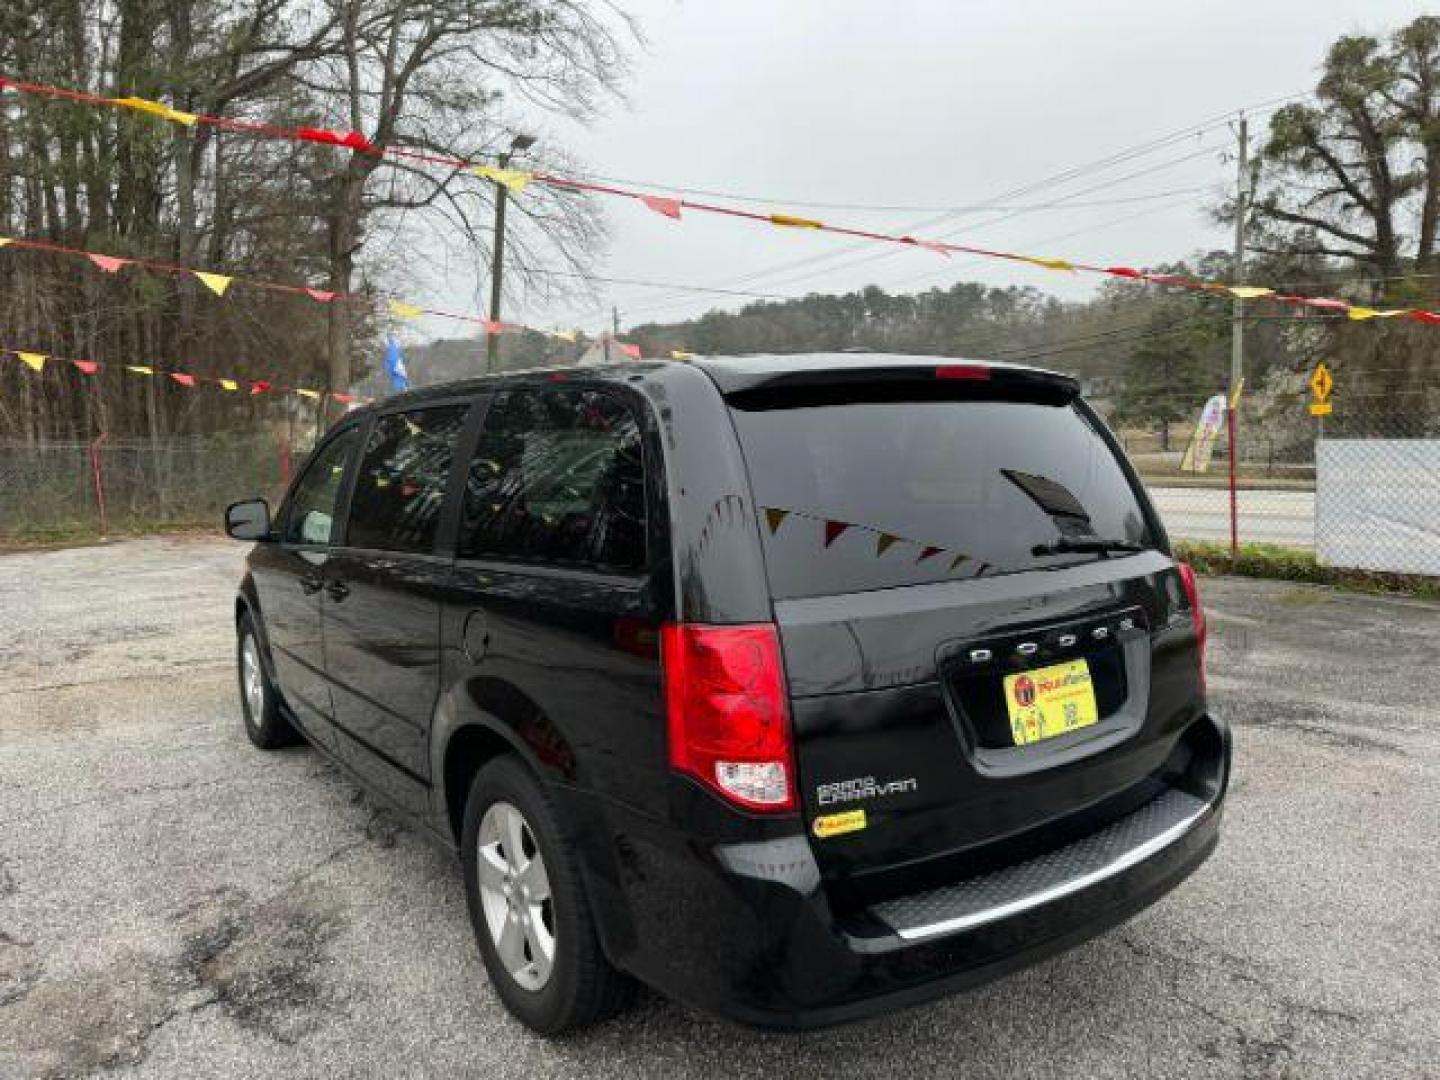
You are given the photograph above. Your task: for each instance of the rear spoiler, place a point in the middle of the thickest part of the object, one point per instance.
(941, 381)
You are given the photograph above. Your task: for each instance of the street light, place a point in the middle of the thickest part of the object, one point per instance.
(518, 145)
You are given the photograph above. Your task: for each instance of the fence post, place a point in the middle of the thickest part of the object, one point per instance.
(99, 477)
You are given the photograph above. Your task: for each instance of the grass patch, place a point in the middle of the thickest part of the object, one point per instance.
(82, 533)
(1297, 564)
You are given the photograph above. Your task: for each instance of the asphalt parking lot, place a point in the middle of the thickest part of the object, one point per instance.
(174, 903)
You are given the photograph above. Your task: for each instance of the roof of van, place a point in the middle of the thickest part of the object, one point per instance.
(734, 373)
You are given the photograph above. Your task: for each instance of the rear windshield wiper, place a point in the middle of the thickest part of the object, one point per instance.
(1088, 547)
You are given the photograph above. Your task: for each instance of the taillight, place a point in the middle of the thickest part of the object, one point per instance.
(963, 371)
(1197, 613)
(728, 715)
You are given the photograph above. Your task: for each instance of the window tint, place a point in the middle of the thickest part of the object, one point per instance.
(872, 495)
(400, 488)
(310, 518)
(558, 477)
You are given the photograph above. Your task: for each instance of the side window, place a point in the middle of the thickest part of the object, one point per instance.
(310, 518)
(400, 486)
(558, 477)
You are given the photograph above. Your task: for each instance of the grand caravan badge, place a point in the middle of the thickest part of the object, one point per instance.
(862, 787)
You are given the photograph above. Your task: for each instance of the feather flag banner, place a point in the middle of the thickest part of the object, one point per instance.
(216, 283)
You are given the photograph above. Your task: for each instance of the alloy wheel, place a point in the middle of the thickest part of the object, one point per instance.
(515, 895)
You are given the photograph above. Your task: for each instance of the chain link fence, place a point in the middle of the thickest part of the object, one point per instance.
(76, 489)
(1359, 487)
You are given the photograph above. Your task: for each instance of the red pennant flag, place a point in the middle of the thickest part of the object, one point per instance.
(109, 263)
(493, 327)
(344, 399)
(260, 387)
(833, 529)
(1420, 315)
(1123, 271)
(928, 245)
(320, 294)
(87, 367)
(929, 552)
(352, 139)
(661, 205)
(1328, 305)
(182, 378)
(632, 351)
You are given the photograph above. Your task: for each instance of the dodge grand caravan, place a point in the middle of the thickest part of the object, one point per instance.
(796, 687)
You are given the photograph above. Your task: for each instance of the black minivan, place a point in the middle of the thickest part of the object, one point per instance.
(797, 687)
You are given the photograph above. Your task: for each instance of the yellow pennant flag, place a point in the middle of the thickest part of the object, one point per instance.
(564, 335)
(1052, 264)
(402, 310)
(308, 393)
(229, 384)
(140, 369)
(680, 354)
(34, 359)
(513, 179)
(4, 240)
(156, 108)
(1359, 313)
(1250, 292)
(792, 222)
(216, 283)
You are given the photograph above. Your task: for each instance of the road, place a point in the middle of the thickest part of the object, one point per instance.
(175, 904)
(1270, 517)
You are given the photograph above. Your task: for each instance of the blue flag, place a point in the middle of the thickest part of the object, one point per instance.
(395, 367)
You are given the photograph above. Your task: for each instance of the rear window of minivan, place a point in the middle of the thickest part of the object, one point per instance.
(874, 494)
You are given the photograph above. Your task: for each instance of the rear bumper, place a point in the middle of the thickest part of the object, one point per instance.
(746, 931)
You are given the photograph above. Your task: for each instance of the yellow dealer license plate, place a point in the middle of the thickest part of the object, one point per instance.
(1050, 701)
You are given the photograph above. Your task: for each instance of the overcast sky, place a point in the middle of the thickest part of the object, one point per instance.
(928, 104)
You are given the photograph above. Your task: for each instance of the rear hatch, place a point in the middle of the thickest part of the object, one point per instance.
(989, 651)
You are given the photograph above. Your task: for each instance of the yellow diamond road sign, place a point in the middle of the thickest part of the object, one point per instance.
(1321, 383)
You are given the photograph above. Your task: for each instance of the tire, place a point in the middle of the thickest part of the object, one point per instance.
(574, 986)
(265, 724)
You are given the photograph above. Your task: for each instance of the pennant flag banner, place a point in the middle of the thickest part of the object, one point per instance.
(681, 354)
(155, 108)
(775, 518)
(833, 531)
(109, 263)
(884, 542)
(401, 310)
(5, 240)
(516, 180)
(668, 207)
(632, 351)
(216, 283)
(36, 361)
(513, 180)
(352, 140)
(320, 294)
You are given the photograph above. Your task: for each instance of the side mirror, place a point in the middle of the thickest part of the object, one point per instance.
(248, 519)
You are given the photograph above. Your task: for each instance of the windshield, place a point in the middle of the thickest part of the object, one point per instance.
(872, 495)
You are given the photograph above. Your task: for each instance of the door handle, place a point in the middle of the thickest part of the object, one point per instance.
(337, 590)
(310, 584)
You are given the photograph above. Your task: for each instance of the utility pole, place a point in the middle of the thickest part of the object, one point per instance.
(1242, 207)
(614, 333)
(518, 144)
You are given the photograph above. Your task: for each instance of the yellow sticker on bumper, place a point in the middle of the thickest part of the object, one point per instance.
(829, 825)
